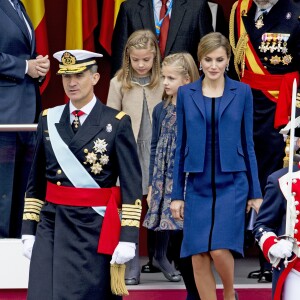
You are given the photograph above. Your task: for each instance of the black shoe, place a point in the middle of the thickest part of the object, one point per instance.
(132, 281)
(149, 268)
(254, 274)
(265, 277)
(171, 277)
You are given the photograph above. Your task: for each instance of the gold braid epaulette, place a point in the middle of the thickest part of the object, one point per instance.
(240, 48)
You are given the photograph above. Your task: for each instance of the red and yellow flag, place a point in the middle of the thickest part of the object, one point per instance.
(36, 11)
(82, 19)
(110, 10)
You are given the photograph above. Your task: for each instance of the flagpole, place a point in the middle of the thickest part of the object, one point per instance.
(289, 232)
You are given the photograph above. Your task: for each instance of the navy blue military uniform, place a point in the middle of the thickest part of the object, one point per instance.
(65, 263)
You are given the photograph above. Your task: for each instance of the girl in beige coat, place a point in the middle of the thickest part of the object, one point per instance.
(136, 89)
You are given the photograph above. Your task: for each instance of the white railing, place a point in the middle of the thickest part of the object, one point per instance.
(18, 127)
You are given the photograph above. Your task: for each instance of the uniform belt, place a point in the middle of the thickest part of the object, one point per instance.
(282, 84)
(109, 197)
(265, 82)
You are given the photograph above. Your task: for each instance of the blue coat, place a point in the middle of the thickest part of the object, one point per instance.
(235, 134)
(19, 92)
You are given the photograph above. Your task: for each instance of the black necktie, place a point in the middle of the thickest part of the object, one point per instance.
(76, 123)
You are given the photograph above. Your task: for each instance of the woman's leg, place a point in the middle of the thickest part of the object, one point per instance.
(224, 264)
(160, 259)
(204, 276)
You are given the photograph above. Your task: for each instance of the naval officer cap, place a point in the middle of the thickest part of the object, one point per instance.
(75, 61)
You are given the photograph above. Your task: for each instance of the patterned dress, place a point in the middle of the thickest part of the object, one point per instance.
(159, 215)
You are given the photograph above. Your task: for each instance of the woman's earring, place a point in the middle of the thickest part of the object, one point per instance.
(227, 68)
(200, 68)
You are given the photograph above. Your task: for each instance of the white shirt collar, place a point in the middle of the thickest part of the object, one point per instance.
(259, 12)
(86, 109)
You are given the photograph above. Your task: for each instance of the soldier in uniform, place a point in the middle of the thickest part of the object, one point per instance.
(75, 217)
(264, 35)
(271, 225)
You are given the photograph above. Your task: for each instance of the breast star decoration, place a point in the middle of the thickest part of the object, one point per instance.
(93, 159)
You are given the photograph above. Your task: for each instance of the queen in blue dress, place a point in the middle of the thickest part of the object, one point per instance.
(215, 178)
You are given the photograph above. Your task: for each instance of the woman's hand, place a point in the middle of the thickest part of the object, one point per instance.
(177, 209)
(254, 203)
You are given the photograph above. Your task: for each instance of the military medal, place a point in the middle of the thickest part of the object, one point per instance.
(275, 60)
(259, 22)
(108, 128)
(287, 59)
(76, 121)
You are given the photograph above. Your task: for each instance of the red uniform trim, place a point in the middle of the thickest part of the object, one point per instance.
(281, 279)
(109, 197)
(268, 243)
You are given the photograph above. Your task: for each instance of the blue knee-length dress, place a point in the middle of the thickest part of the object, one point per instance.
(215, 202)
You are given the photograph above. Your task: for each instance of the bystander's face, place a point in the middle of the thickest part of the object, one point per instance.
(141, 61)
(214, 64)
(172, 80)
(80, 87)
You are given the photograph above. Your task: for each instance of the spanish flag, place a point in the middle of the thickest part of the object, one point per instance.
(110, 10)
(82, 19)
(36, 11)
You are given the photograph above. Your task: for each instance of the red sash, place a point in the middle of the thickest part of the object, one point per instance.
(109, 197)
(283, 84)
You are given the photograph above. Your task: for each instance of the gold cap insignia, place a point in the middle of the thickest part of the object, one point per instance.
(68, 59)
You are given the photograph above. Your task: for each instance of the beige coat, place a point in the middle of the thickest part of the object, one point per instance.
(131, 101)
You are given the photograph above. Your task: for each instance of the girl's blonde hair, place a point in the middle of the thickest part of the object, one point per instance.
(140, 39)
(212, 41)
(184, 65)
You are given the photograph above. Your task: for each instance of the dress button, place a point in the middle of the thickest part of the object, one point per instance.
(58, 171)
(86, 151)
(294, 180)
(296, 231)
(297, 212)
(58, 183)
(294, 193)
(296, 202)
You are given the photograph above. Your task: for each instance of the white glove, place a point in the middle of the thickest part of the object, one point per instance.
(282, 249)
(28, 241)
(124, 252)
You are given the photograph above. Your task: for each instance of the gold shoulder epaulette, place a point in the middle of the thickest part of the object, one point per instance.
(120, 115)
(45, 112)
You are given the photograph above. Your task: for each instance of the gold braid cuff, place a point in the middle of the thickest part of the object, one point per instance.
(131, 214)
(32, 209)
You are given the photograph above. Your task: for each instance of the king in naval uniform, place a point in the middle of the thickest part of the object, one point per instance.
(76, 220)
